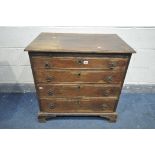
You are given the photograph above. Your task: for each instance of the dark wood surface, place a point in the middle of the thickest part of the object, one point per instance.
(79, 76)
(75, 42)
(59, 105)
(45, 62)
(77, 90)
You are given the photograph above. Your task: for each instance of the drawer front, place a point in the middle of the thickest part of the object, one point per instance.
(83, 90)
(79, 62)
(78, 76)
(77, 106)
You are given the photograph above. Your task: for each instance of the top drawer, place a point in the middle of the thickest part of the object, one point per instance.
(79, 62)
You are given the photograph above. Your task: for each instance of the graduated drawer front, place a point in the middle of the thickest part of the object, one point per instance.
(79, 62)
(78, 76)
(74, 90)
(78, 105)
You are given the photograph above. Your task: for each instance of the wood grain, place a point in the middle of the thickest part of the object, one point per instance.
(70, 42)
(77, 90)
(46, 62)
(78, 105)
(78, 76)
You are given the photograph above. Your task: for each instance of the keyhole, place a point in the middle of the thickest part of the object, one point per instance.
(78, 87)
(79, 74)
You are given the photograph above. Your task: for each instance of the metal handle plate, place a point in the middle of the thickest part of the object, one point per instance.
(112, 65)
(106, 92)
(49, 79)
(108, 79)
(50, 92)
(51, 105)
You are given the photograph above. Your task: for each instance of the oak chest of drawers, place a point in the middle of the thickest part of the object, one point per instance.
(78, 74)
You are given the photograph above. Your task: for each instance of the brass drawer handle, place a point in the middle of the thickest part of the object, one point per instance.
(108, 79)
(112, 65)
(106, 92)
(49, 79)
(51, 105)
(50, 92)
(47, 65)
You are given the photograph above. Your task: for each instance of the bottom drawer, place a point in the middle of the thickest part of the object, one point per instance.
(97, 105)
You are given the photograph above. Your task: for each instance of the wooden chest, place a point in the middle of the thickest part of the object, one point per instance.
(78, 74)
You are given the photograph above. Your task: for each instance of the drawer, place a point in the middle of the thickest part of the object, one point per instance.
(78, 105)
(78, 76)
(80, 90)
(79, 62)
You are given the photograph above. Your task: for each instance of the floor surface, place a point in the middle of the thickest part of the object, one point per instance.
(19, 111)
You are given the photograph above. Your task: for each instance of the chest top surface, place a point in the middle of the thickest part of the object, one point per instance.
(75, 42)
